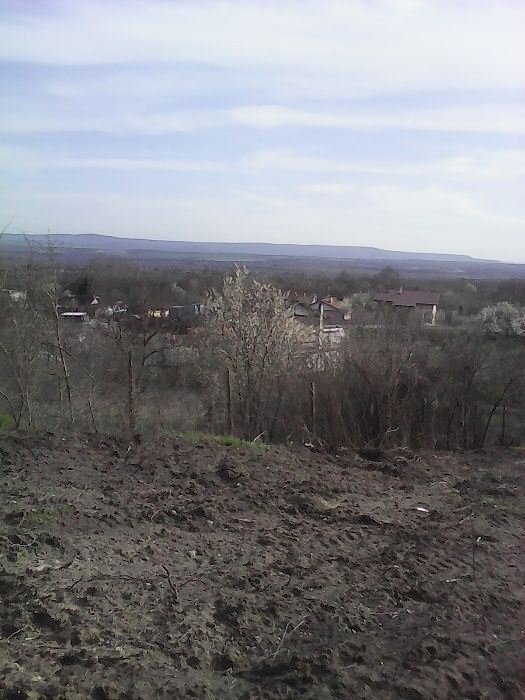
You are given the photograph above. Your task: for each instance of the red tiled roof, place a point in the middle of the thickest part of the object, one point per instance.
(408, 298)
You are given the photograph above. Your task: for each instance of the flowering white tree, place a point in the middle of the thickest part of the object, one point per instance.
(251, 333)
(359, 301)
(502, 319)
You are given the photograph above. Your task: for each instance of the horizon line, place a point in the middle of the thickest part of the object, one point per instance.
(468, 256)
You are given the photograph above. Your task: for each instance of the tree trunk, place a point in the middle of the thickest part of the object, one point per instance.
(229, 407)
(131, 395)
(503, 424)
(313, 409)
(64, 365)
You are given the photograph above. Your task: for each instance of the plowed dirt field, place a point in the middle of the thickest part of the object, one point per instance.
(172, 569)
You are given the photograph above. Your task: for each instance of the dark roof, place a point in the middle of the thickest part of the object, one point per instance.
(333, 301)
(304, 299)
(408, 298)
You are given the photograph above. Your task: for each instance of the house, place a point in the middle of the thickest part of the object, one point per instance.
(306, 306)
(301, 304)
(329, 308)
(15, 295)
(68, 301)
(77, 316)
(116, 309)
(425, 304)
(158, 313)
(184, 311)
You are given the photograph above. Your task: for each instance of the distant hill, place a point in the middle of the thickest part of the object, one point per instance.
(80, 250)
(232, 251)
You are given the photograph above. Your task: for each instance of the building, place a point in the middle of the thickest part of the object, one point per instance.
(77, 316)
(67, 301)
(423, 304)
(301, 304)
(309, 306)
(158, 313)
(185, 311)
(330, 308)
(15, 295)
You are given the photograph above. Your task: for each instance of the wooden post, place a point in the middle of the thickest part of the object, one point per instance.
(131, 394)
(465, 425)
(229, 409)
(313, 409)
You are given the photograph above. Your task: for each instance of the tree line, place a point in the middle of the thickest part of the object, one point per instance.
(252, 370)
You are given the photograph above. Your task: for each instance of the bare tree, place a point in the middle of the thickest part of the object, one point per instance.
(20, 343)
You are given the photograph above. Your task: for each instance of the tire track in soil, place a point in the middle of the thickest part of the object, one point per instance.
(291, 574)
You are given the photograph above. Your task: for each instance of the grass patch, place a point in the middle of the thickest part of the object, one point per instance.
(224, 440)
(28, 519)
(7, 422)
(504, 503)
(232, 441)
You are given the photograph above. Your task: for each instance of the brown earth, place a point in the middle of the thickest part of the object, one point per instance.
(179, 570)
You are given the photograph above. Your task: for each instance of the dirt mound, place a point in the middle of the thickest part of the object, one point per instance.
(170, 569)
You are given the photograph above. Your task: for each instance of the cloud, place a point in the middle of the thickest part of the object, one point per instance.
(356, 47)
(482, 165)
(477, 165)
(20, 159)
(25, 120)
(153, 164)
(429, 207)
(475, 119)
(426, 219)
(162, 67)
(397, 123)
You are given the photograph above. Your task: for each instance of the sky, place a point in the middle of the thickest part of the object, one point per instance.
(391, 123)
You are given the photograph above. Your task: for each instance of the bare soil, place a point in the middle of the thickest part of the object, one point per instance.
(177, 570)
